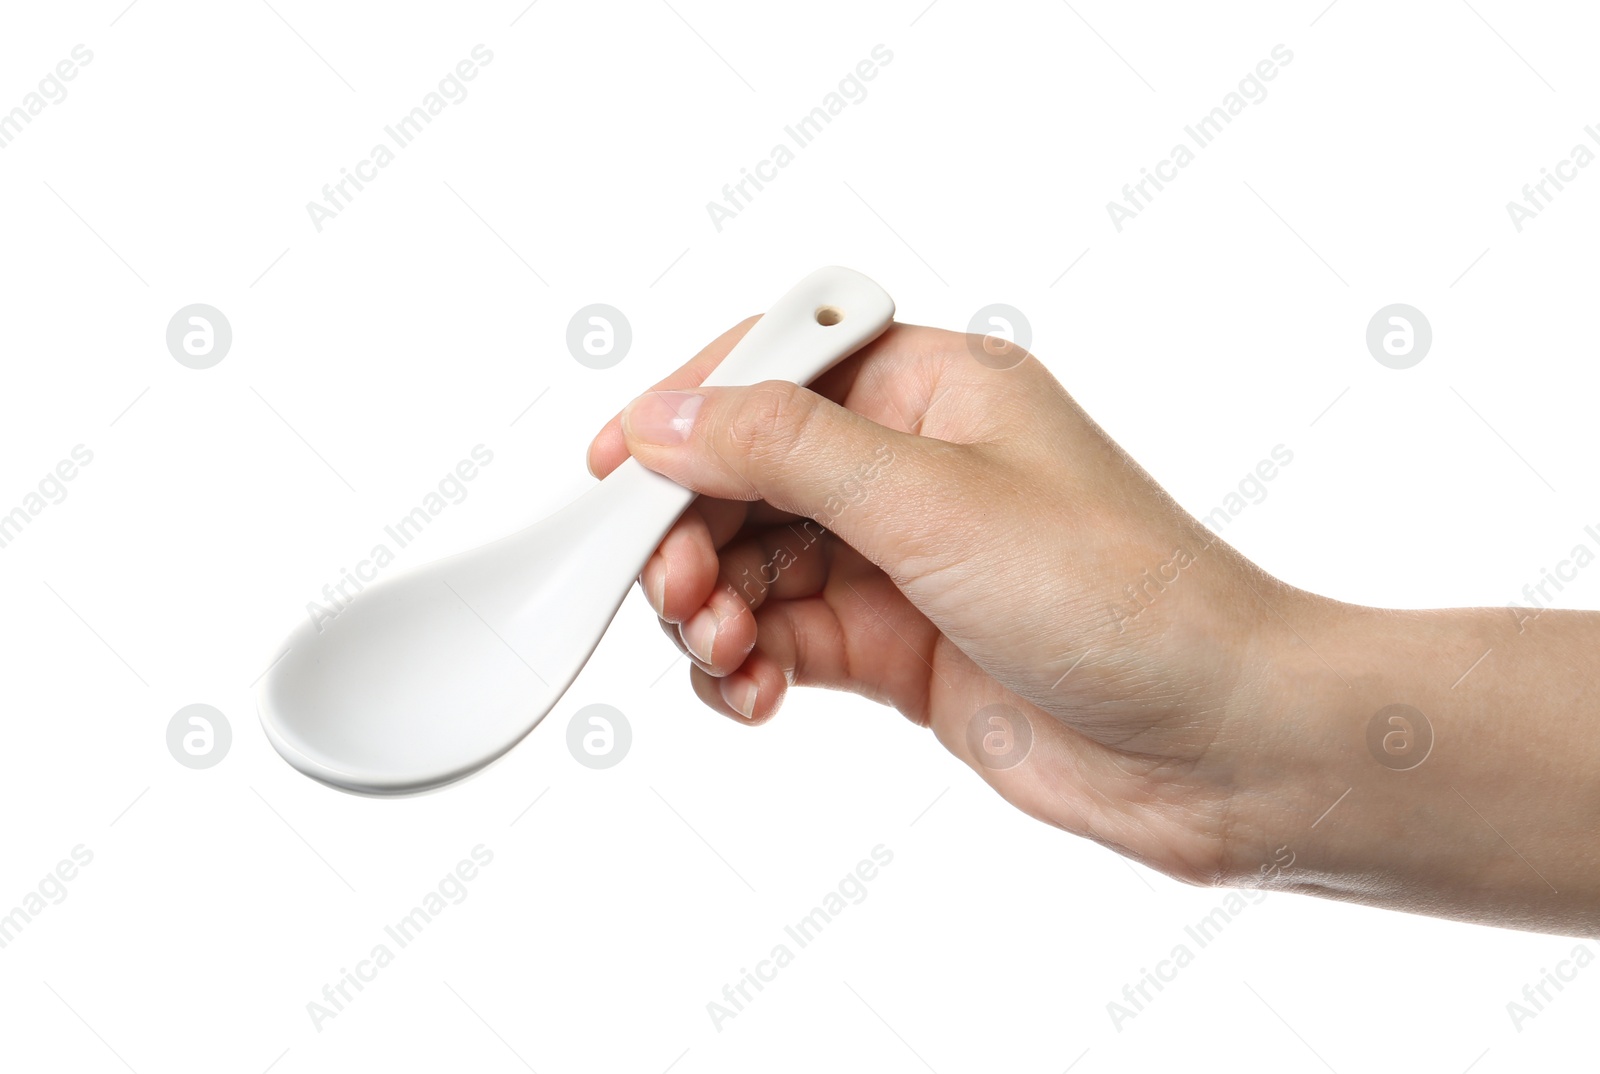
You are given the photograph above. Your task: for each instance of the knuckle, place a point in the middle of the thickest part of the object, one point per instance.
(773, 420)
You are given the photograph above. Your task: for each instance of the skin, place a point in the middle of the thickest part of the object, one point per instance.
(964, 543)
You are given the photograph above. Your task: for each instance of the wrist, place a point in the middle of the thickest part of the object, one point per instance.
(1402, 764)
(1291, 763)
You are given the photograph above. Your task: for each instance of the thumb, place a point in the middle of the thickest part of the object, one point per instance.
(891, 495)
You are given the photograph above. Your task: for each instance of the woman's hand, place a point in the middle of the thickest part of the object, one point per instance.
(992, 565)
(962, 542)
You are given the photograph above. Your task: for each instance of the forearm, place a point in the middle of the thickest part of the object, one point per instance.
(1498, 821)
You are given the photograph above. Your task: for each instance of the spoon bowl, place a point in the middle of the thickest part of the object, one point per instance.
(429, 676)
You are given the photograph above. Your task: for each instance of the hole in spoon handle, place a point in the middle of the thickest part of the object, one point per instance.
(825, 317)
(828, 315)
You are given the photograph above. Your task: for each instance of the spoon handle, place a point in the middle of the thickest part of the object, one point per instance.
(828, 315)
(824, 318)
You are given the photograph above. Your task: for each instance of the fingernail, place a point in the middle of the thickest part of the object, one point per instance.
(658, 592)
(700, 633)
(662, 418)
(740, 693)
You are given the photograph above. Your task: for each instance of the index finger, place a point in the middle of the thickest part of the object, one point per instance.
(607, 449)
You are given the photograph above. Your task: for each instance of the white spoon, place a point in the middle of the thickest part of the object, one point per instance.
(431, 675)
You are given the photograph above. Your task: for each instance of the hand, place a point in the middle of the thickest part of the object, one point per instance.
(965, 544)
(981, 538)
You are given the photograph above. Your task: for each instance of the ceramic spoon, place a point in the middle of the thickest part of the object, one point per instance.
(431, 675)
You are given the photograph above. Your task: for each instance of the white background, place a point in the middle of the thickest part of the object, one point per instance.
(1225, 320)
